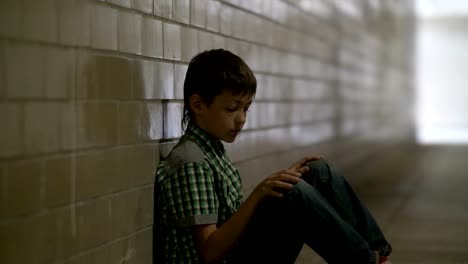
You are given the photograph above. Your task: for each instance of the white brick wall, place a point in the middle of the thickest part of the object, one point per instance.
(91, 93)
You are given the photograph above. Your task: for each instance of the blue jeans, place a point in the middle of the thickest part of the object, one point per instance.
(323, 212)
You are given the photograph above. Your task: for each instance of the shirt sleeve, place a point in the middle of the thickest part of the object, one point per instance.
(191, 196)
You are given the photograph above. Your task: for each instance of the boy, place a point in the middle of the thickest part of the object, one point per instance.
(200, 214)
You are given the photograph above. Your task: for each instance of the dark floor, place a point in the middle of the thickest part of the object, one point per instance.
(419, 195)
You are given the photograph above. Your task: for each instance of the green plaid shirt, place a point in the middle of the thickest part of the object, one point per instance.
(198, 184)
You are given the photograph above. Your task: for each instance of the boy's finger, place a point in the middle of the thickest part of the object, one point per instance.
(297, 164)
(304, 169)
(282, 185)
(290, 178)
(295, 173)
(310, 158)
(303, 161)
(276, 194)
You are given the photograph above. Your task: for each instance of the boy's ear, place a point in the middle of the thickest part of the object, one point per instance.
(196, 103)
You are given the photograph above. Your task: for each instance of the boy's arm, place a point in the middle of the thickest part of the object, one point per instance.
(213, 243)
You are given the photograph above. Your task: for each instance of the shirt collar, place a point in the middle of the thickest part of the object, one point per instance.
(203, 139)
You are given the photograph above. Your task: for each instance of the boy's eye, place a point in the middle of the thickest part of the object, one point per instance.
(232, 109)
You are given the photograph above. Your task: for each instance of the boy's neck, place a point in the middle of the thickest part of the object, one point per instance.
(215, 142)
(205, 131)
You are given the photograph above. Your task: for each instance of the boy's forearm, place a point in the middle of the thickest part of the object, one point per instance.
(222, 240)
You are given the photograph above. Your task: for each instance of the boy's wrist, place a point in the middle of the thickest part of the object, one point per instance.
(256, 196)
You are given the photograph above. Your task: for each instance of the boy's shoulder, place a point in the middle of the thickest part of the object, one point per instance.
(185, 151)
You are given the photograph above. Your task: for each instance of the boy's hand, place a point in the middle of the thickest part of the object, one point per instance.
(300, 165)
(283, 180)
(277, 182)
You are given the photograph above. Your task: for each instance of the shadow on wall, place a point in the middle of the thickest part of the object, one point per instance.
(129, 105)
(113, 131)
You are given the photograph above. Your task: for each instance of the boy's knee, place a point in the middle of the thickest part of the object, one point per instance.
(299, 190)
(317, 164)
(319, 172)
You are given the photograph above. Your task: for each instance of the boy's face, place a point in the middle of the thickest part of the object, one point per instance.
(225, 117)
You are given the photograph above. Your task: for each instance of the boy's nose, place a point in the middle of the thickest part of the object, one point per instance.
(241, 118)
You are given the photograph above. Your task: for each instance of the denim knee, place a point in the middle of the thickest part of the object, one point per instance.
(319, 164)
(319, 172)
(298, 193)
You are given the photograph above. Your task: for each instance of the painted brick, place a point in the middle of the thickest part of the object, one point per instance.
(104, 20)
(23, 192)
(198, 13)
(152, 121)
(180, 70)
(164, 80)
(181, 11)
(40, 20)
(213, 15)
(152, 38)
(74, 18)
(41, 127)
(58, 174)
(60, 73)
(130, 32)
(25, 73)
(143, 5)
(124, 3)
(130, 130)
(172, 42)
(163, 8)
(10, 18)
(97, 124)
(189, 43)
(11, 141)
(143, 80)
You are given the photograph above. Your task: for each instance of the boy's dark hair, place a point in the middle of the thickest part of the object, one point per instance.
(212, 72)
